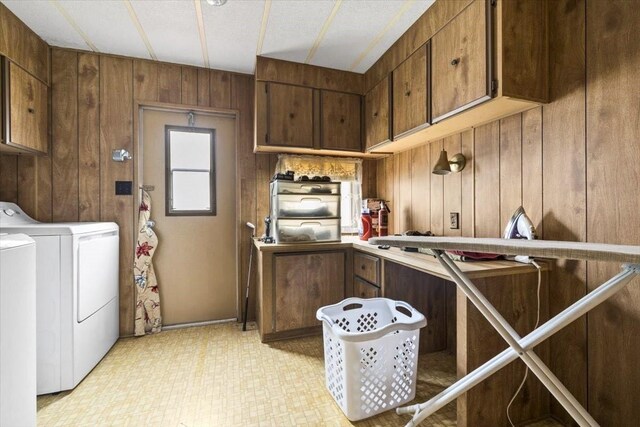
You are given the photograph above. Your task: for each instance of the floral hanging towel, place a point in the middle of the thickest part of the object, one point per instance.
(148, 317)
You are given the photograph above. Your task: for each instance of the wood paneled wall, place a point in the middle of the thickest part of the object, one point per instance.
(93, 103)
(572, 164)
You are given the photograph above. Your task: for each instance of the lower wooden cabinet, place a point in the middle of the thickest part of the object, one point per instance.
(292, 286)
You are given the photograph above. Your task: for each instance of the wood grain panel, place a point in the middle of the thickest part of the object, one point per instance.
(44, 187)
(220, 89)
(246, 206)
(377, 117)
(452, 188)
(89, 137)
(23, 46)
(169, 83)
(426, 294)
(510, 166)
(421, 188)
(487, 180)
(145, 80)
(369, 170)
(436, 17)
(564, 197)
(9, 178)
(277, 70)
(189, 86)
(203, 87)
(437, 191)
(405, 196)
(459, 71)
(116, 131)
(389, 191)
(381, 179)
(613, 209)
(304, 283)
(524, 57)
(27, 185)
(64, 134)
(532, 166)
(467, 206)
(410, 93)
(340, 121)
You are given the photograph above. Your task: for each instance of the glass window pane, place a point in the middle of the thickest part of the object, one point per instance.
(190, 150)
(191, 191)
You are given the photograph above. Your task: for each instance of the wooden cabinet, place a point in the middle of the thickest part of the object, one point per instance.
(364, 289)
(304, 282)
(460, 68)
(410, 93)
(24, 111)
(376, 116)
(341, 124)
(289, 115)
(367, 267)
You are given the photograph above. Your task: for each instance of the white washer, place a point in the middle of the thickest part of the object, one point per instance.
(17, 330)
(76, 295)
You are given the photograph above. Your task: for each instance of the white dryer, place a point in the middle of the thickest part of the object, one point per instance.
(76, 295)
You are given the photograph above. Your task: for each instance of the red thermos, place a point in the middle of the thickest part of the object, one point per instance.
(383, 220)
(365, 231)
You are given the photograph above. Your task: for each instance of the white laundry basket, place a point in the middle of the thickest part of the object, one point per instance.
(370, 354)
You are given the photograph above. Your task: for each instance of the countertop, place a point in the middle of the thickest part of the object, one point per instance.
(418, 261)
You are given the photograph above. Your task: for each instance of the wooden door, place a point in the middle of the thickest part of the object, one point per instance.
(304, 282)
(27, 111)
(459, 74)
(290, 115)
(341, 124)
(410, 93)
(364, 289)
(377, 119)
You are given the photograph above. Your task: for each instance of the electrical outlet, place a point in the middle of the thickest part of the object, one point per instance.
(453, 220)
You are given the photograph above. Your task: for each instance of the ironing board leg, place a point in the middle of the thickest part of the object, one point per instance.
(520, 347)
(549, 328)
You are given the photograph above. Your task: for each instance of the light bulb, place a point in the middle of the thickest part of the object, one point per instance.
(216, 2)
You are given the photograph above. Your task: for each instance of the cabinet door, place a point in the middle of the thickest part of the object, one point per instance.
(27, 111)
(367, 267)
(377, 115)
(459, 72)
(341, 125)
(290, 115)
(364, 289)
(410, 97)
(304, 282)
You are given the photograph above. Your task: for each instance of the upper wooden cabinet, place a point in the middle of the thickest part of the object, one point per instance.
(376, 116)
(24, 111)
(289, 115)
(460, 75)
(410, 93)
(341, 127)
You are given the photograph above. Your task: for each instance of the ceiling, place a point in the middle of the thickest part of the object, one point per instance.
(343, 34)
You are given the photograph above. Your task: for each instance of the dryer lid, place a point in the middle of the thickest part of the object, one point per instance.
(14, 220)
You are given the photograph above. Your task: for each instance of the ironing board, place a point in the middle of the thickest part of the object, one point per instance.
(520, 347)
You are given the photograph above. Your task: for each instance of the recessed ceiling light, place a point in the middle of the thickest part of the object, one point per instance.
(216, 2)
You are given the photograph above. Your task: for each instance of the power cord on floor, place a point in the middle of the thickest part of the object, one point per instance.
(526, 371)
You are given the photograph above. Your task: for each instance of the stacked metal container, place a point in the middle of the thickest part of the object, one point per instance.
(305, 211)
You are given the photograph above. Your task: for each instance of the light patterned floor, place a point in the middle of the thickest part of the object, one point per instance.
(219, 376)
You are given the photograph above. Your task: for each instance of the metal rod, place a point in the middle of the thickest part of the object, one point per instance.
(549, 328)
(540, 370)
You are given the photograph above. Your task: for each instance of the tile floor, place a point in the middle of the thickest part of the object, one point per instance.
(219, 376)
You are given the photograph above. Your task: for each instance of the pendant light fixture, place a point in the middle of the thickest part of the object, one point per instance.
(216, 2)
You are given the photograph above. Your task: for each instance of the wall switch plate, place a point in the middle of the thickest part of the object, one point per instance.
(454, 224)
(124, 188)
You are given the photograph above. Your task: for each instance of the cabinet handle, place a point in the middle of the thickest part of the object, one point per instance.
(407, 93)
(341, 119)
(375, 114)
(291, 115)
(31, 110)
(363, 267)
(455, 61)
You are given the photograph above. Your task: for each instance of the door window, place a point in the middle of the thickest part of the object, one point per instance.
(190, 171)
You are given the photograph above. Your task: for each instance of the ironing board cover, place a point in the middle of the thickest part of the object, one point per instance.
(148, 318)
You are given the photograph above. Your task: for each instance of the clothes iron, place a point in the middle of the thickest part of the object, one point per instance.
(520, 227)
